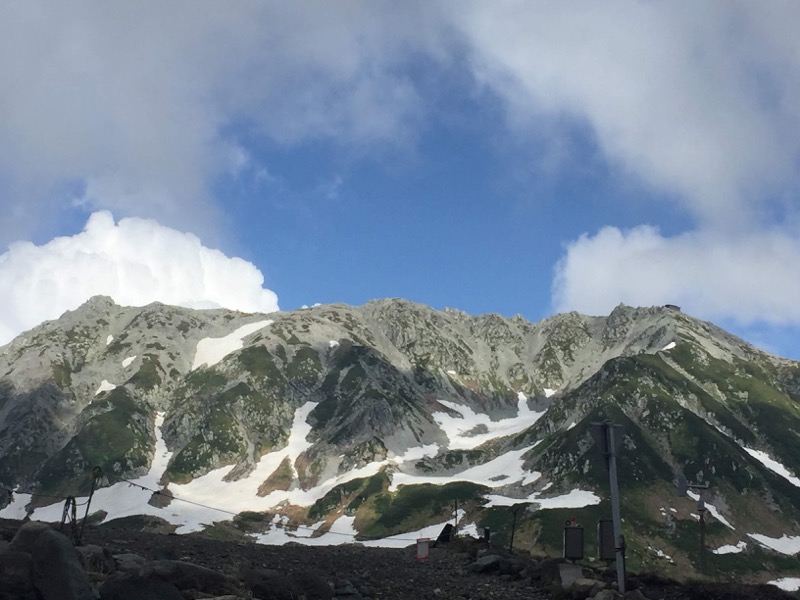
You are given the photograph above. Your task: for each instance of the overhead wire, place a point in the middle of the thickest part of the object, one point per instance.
(228, 512)
(187, 501)
(34, 495)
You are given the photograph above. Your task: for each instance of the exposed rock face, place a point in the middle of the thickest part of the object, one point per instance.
(376, 371)
(379, 381)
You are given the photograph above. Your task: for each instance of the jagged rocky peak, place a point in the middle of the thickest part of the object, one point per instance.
(337, 409)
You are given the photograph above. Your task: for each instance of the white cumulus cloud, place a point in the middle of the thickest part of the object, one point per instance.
(749, 277)
(135, 261)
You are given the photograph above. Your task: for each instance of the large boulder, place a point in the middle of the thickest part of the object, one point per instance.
(268, 584)
(549, 574)
(16, 575)
(311, 585)
(57, 572)
(27, 535)
(129, 563)
(120, 586)
(583, 587)
(568, 574)
(96, 559)
(532, 571)
(487, 564)
(188, 576)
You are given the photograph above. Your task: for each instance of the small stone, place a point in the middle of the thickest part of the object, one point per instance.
(607, 595)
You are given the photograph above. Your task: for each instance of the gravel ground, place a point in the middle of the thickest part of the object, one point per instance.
(392, 574)
(382, 573)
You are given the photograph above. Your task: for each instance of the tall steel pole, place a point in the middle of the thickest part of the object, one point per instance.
(702, 512)
(615, 515)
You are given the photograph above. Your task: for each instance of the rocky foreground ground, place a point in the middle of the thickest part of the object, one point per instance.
(38, 563)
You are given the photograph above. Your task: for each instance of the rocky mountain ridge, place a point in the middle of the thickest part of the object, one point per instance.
(357, 411)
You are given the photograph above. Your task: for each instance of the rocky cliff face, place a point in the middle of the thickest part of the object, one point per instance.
(350, 403)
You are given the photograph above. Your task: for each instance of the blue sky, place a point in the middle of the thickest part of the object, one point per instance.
(515, 158)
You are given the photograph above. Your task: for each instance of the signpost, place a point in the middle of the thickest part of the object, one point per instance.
(608, 437)
(606, 547)
(573, 541)
(423, 548)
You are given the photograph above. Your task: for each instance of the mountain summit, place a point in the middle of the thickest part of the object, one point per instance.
(336, 423)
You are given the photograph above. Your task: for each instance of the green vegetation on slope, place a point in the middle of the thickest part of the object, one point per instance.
(115, 439)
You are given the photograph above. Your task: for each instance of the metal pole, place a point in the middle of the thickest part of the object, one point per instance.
(615, 515)
(702, 540)
(97, 473)
(455, 513)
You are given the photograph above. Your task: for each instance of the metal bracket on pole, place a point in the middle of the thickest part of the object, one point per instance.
(683, 488)
(69, 516)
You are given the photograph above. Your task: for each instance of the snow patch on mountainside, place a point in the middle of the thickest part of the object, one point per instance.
(788, 584)
(785, 544)
(127, 362)
(576, 498)
(472, 429)
(340, 532)
(210, 351)
(712, 509)
(16, 508)
(343, 532)
(242, 495)
(501, 471)
(123, 499)
(773, 465)
(730, 549)
(105, 386)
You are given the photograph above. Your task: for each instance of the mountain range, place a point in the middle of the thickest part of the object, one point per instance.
(380, 423)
